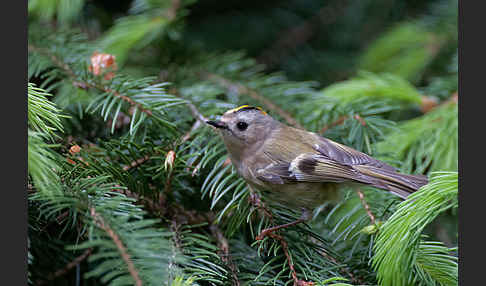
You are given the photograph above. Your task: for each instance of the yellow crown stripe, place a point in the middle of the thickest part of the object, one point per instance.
(237, 108)
(245, 106)
(263, 111)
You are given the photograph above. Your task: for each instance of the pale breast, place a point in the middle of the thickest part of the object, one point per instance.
(302, 195)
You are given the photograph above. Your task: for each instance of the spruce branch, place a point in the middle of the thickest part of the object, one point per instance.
(340, 121)
(99, 221)
(117, 94)
(194, 110)
(136, 163)
(427, 143)
(60, 64)
(43, 115)
(83, 84)
(67, 268)
(453, 99)
(225, 251)
(343, 269)
(43, 164)
(365, 205)
(194, 127)
(285, 249)
(144, 100)
(399, 242)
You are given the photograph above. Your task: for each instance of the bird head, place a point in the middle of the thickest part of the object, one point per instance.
(244, 128)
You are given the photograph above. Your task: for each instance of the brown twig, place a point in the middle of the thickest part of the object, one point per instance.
(195, 112)
(53, 58)
(66, 268)
(340, 121)
(151, 205)
(180, 215)
(366, 206)
(223, 245)
(117, 94)
(119, 244)
(253, 94)
(285, 249)
(136, 163)
(255, 200)
(168, 182)
(195, 126)
(172, 11)
(429, 104)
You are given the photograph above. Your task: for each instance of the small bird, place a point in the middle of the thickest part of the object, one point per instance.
(298, 168)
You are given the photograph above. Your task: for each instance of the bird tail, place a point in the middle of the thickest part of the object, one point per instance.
(401, 185)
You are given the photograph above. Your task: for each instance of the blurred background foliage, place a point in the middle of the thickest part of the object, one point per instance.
(127, 186)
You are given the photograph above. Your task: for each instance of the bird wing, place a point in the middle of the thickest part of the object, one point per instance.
(330, 161)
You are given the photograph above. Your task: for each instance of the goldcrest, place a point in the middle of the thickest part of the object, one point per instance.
(299, 168)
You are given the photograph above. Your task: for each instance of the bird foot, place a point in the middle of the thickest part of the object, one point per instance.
(265, 232)
(306, 215)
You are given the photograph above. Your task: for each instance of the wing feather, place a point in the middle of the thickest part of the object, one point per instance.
(289, 159)
(347, 155)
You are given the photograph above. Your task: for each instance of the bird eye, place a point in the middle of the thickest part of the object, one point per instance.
(242, 125)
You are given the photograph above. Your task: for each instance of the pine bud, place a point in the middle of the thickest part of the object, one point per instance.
(372, 228)
(427, 103)
(74, 149)
(169, 160)
(101, 63)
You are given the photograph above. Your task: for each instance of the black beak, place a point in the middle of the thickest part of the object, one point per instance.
(217, 124)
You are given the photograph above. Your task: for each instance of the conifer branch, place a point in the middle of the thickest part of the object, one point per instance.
(83, 84)
(195, 126)
(453, 99)
(68, 267)
(195, 112)
(365, 205)
(168, 181)
(119, 244)
(136, 163)
(117, 94)
(341, 120)
(65, 67)
(285, 249)
(343, 269)
(225, 252)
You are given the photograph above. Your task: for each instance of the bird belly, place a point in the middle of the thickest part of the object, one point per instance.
(301, 195)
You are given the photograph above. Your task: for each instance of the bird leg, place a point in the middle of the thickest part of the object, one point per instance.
(306, 215)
